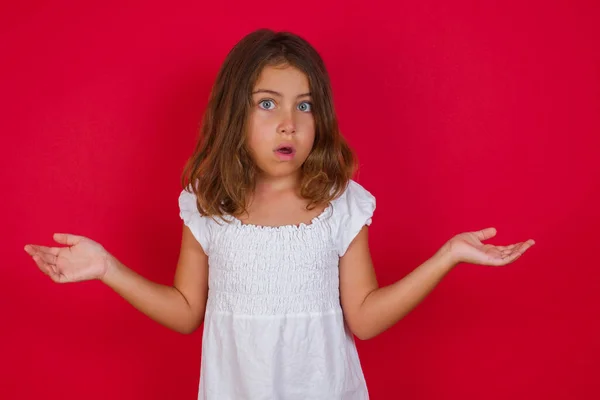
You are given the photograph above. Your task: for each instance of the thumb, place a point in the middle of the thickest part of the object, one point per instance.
(485, 234)
(67, 238)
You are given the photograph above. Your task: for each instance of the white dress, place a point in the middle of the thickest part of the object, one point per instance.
(274, 327)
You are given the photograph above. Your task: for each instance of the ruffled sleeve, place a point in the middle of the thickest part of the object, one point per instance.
(198, 224)
(353, 209)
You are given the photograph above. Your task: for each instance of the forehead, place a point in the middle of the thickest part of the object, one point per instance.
(285, 79)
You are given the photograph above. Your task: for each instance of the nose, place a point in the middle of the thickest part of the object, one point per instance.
(287, 125)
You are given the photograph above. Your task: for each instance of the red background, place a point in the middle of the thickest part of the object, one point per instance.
(464, 115)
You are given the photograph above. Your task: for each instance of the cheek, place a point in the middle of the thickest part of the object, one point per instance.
(308, 130)
(256, 135)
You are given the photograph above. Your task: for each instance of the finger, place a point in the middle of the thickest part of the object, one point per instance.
(502, 260)
(48, 258)
(511, 247)
(517, 251)
(33, 248)
(50, 270)
(485, 234)
(525, 246)
(43, 266)
(67, 238)
(522, 246)
(57, 277)
(506, 248)
(507, 253)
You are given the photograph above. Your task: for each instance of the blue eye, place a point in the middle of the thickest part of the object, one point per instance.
(305, 106)
(268, 102)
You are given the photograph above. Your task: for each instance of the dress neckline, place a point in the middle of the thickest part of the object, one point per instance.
(288, 227)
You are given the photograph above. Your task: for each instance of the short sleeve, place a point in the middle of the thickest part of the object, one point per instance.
(198, 224)
(353, 209)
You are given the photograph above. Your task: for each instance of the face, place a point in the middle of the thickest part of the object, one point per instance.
(281, 128)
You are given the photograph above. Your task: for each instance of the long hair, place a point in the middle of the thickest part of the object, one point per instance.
(221, 169)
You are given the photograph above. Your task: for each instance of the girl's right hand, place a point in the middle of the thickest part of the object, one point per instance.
(83, 259)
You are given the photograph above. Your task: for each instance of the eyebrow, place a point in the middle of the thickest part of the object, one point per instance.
(277, 93)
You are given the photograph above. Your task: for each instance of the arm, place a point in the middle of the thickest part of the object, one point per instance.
(370, 310)
(179, 307)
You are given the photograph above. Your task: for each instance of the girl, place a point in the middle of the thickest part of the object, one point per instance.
(274, 255)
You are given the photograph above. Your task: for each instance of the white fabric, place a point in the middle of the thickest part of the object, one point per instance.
(274, 327)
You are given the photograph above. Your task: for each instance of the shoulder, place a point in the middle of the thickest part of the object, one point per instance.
(355, 192)
(352, 210)
(187, 201)
(355, 199)
(198, 224)
(188, 205)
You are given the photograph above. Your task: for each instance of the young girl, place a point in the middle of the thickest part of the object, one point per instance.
(274, 256)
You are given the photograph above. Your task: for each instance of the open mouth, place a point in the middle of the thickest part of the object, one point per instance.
(285, 150)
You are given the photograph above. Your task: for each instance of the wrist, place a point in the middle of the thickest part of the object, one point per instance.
(111, 267)
(446, 257)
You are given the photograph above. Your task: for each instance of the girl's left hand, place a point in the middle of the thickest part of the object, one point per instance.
(468, 248)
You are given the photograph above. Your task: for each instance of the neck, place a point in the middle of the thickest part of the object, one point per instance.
(266, 184)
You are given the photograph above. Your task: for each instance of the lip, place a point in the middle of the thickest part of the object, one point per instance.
(283, 156)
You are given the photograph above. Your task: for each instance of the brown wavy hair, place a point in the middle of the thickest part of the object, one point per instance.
(221, 165)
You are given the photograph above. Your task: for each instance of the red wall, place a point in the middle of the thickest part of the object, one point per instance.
(464, 116)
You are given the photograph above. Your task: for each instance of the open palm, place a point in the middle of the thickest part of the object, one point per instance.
(82, 259)
(468, 247)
